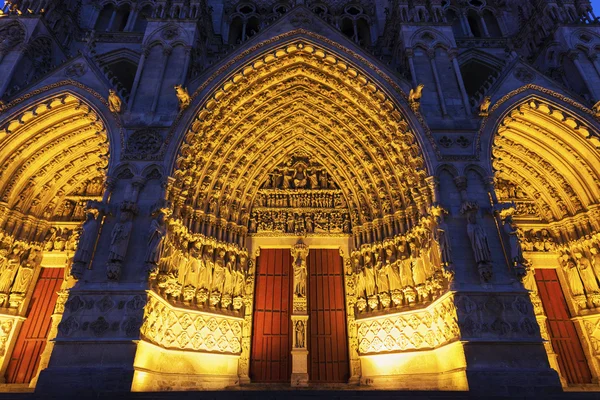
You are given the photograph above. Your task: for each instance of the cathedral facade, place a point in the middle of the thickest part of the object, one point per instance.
(207, 194)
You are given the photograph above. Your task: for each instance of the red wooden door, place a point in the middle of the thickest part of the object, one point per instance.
(328, 342)
(270, 359)
(563, 335)
(31, 340)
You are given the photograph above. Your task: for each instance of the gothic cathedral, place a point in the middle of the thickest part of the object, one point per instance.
(222, 194)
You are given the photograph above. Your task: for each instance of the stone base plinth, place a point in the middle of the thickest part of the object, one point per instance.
(443, 368)
(299, 368)
(159, 369)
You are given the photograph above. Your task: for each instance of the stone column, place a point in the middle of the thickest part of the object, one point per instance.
(463, 92)
(300, 316)
(436, 78)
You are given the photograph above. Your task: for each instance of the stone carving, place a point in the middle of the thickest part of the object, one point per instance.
(6, 326)
(414, 97)
(479, 242)
(402, 272)
(518, 262)
(85, 247)
(11, 34)
(484, 107)
(199, 270)
(76, 70)
(114, 101)
(156, 236)
(183, 97)
(144, 142)
(299, 334)
(24, 277)
(119, 241)
(422, 329)
(189, 329)
(299, 254)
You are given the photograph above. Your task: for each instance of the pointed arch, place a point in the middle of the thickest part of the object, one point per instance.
(301, 97)
(549, 148)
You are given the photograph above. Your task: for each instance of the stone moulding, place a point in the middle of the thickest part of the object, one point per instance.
(192, 330)
(426, 328)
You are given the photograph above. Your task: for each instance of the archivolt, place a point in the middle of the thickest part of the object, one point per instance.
(552, 155)
(49, 149)
(300, 98)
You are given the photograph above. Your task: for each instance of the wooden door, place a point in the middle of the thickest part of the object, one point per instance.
(328, 341)
(33, 335)
(563, 335)
(270, 359)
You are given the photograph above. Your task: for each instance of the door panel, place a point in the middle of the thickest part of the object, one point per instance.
(563, 335)
(328, 342)
(31, 340)
(270, 359)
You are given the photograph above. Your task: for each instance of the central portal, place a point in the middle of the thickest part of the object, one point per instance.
(271, 360)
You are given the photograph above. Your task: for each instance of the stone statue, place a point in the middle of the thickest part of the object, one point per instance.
(119, 241)
(206, 268)
(25, 273)
(485, 106)
(230, 276)
(414, 97)
(300, 278)
(516, 250)
(114, 101)
(219, 272)
(156, 236)
(479, 241)
(6, 269)
(369, 274)
(183, 96)
(85, 247)
(299, 331)
(595, 251)
(443, 239)
(313, 179)
(573, 277)
(587, 273)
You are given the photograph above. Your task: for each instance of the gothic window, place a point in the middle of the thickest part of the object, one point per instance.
(355, 25)
(244, 23)
(103, 20)
(142, 19)
(453, 18)
(475, 74)
(121, 17)
(474, 23)
(491, 24)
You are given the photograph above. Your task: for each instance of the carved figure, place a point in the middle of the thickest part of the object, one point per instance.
(25, 273)
(299, 331)
(587, 273)
(516, 251)
(573, 277)
(156, 236)
(485, 106)
(183, 96)
(478, 238)
(300, 278)
(119, 241)
(13, 260)
(114, 101)
(85, 248)
(414, 97)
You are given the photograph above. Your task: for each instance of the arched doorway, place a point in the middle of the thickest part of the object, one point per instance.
(547, 164)
(53, 155)
(295, 157)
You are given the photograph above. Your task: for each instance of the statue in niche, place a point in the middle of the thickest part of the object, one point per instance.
(383, 284)
(393, 272)
(300, 277)
(194, 264)
(573, 277)
(156, 236)
(182, 264)
(300, 179)
(85, 248)
(290, 223)
(240, 279)
(516, 251)
(299, 330)
(587, 273)
(443, 241)
(119, 241)
(479, 243)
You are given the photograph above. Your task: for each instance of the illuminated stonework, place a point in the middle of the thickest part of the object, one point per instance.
(196, 195)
